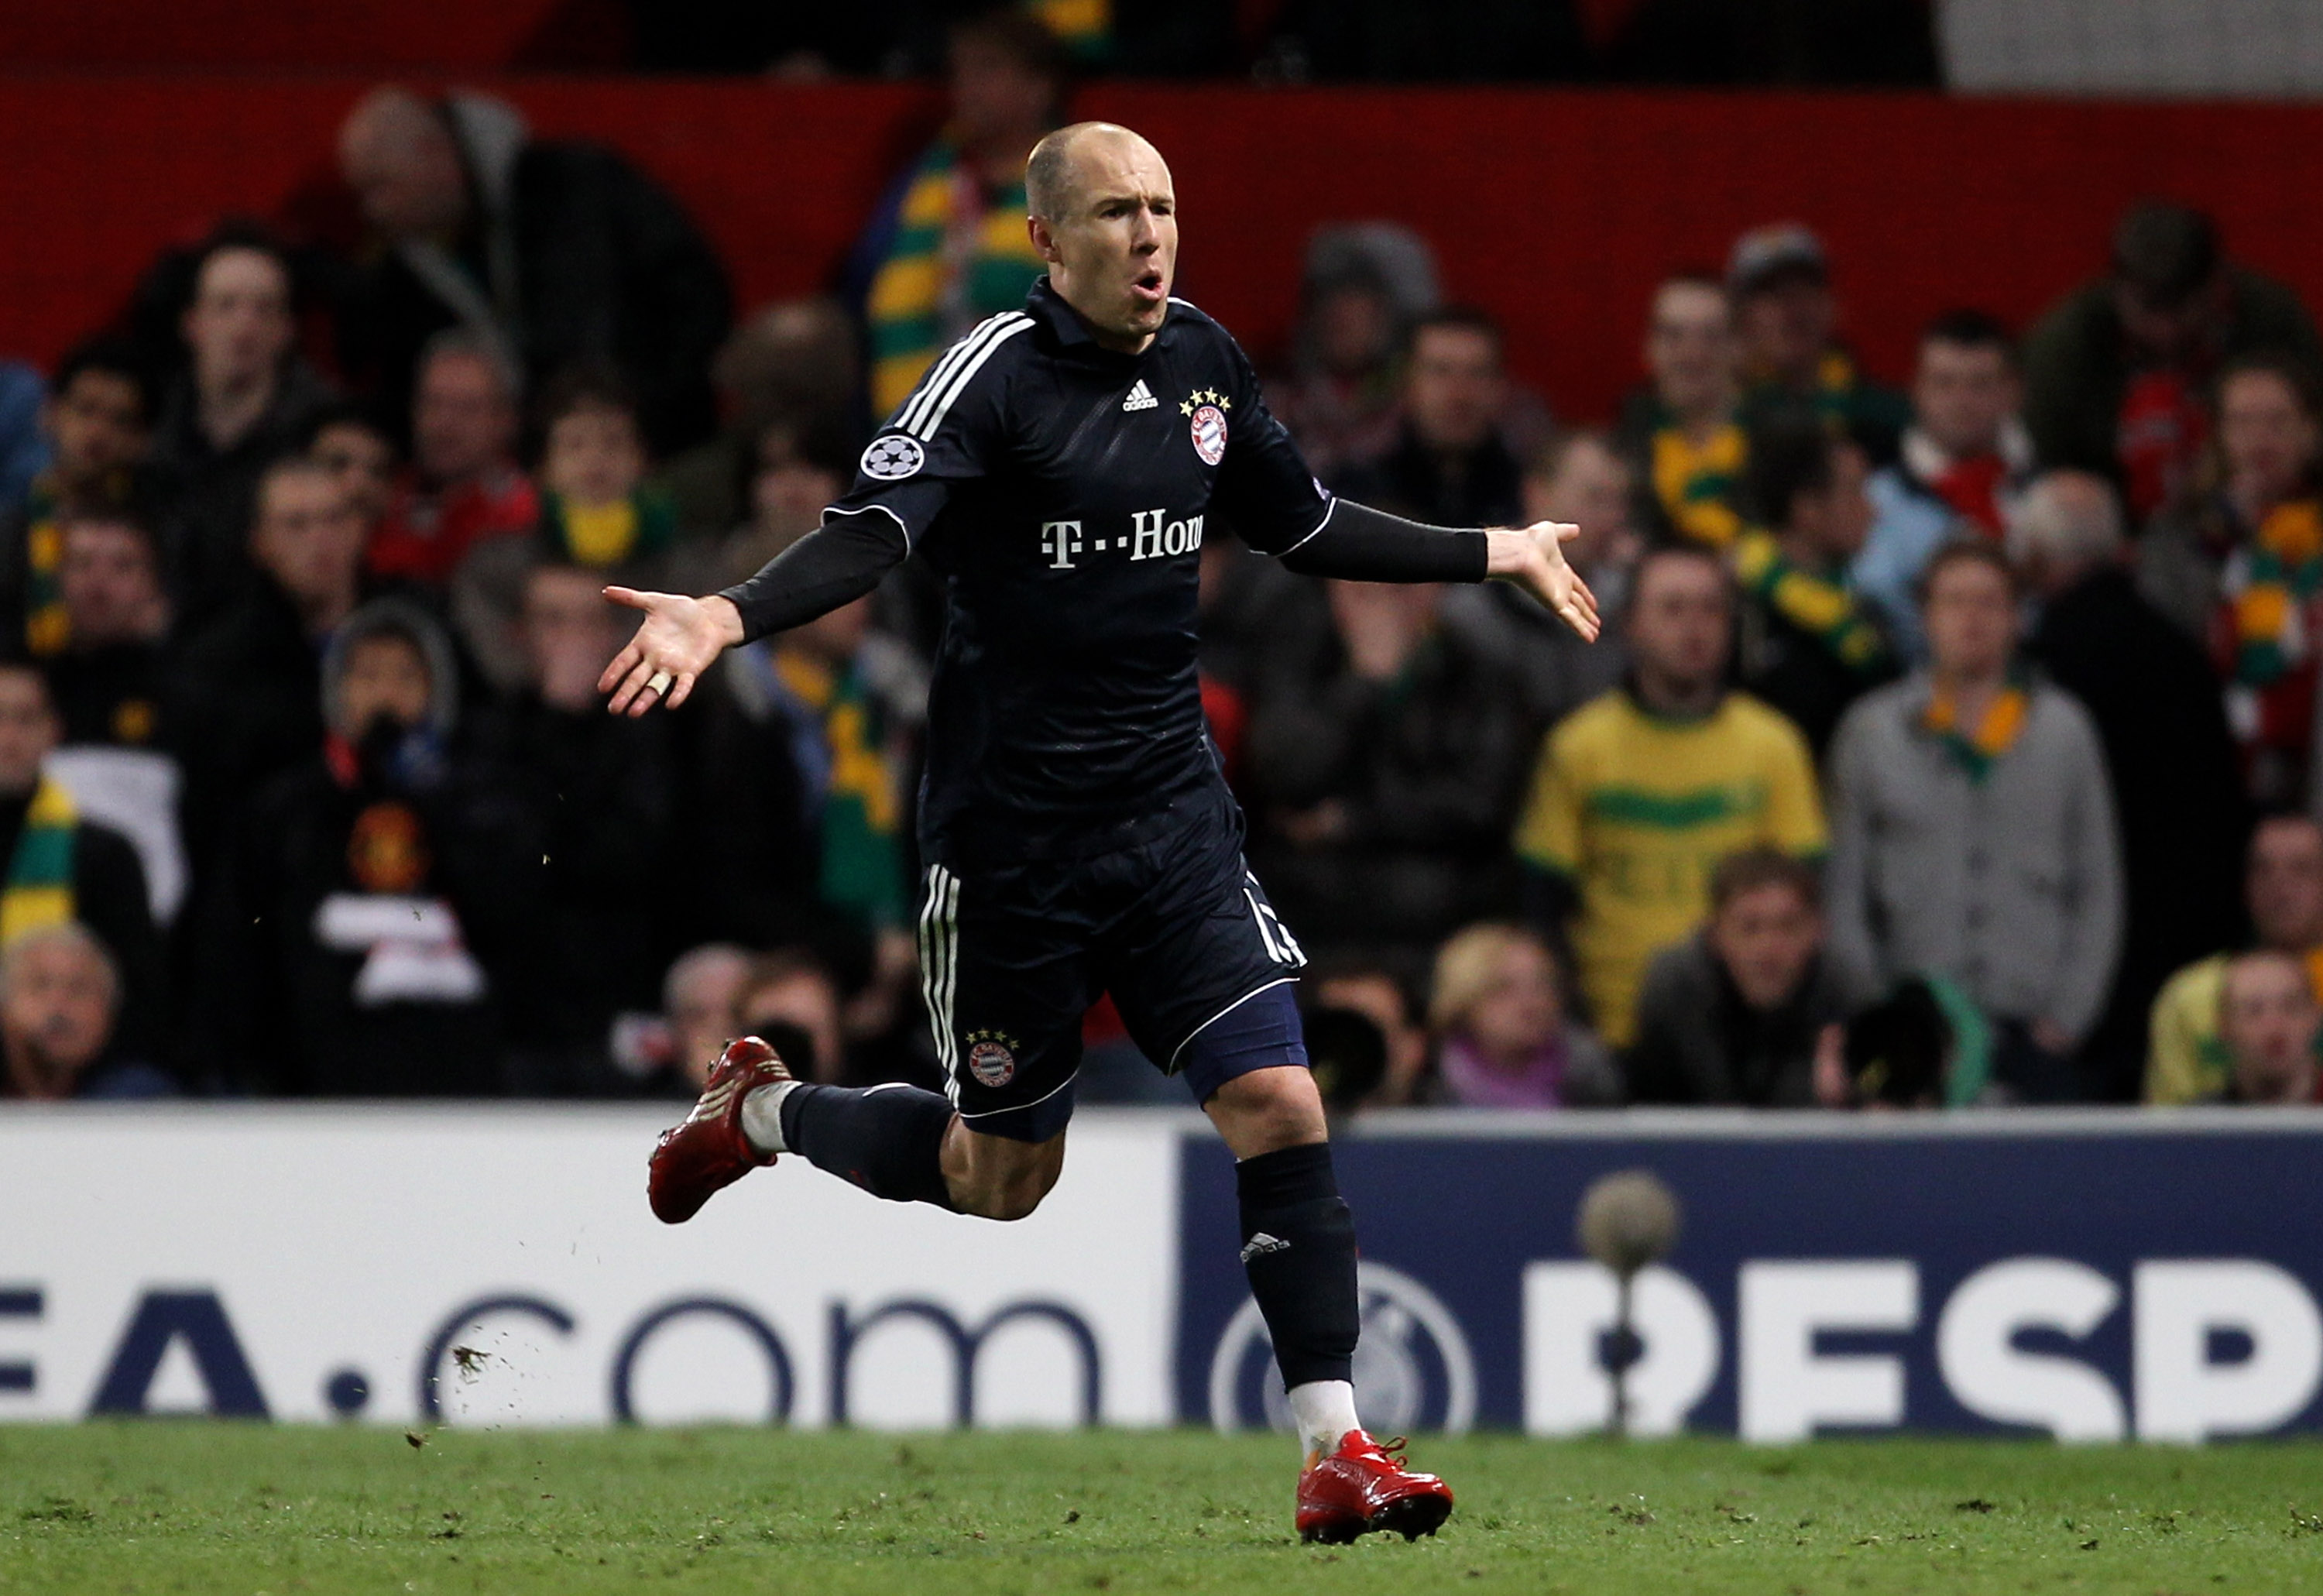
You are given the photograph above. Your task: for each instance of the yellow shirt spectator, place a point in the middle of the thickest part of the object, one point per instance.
(2189, 1062)
(1635, 810)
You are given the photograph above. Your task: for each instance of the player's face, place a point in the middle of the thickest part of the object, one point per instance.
(1114, 254)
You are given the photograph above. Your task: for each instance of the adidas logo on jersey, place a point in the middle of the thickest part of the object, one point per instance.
(1261, 1245)
(1141, 398)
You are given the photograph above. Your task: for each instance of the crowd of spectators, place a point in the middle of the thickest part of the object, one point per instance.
(1948, 745)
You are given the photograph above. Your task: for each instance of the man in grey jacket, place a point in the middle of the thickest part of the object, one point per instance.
(1972, 834)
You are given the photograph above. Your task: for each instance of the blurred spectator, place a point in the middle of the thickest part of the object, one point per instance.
(1448, 466)
(1973, 834)
(1356, 986)
(798, 470)
(1504, 1038)
(2115, 372)
(1387, 741)
(1904, 1052)
(60, 996)
(2268, 1021)
(798, 363)
(349, 444)
(1580, 477)
(1810, 647)
(2256, 489)
(1738, 1013)
(790, 999)
(2282, 889)
(597, 513)
(23, 442)
(120, 706)
(245, 400)
(801, 748)
(2241, 564)
(253, 676)
(1966, 458)
(603, 790)
(1787, 320)
(64, 866)
(947, 247)
(381, 891)
(2177, 791)
(596, 508)
(549, 251)
(1640, 793)
(95, 419)
(462, 486)
(701, 999)
(1681, 428)
(1366, 283)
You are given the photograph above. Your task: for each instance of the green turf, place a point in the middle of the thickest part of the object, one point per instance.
(184, 1506)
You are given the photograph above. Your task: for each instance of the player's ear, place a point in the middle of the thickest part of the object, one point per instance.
(1044, 238)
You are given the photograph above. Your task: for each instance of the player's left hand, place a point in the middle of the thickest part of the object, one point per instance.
(1533, 557)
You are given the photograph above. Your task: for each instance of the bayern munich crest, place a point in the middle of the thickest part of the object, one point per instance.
(990, 1059)
(893, 457)
(1207, 408)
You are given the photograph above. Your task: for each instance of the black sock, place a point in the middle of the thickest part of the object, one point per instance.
(888, 1140)
(1299, 1248)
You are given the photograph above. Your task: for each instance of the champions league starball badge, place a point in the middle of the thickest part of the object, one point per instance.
(1207, 410)
(893, 457)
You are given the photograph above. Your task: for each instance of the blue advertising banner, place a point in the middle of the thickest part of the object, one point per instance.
(2092, 1275)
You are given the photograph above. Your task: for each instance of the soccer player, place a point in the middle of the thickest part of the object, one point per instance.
(1060, 466)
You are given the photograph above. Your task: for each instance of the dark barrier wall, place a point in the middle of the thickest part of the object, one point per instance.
(2096, 1276)
(1555, 209)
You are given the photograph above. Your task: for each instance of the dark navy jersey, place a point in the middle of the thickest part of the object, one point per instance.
(1064, 490)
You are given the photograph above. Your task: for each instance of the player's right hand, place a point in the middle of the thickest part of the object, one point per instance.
(679, 639)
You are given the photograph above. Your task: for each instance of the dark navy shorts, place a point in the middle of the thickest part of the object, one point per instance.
(1169, 919)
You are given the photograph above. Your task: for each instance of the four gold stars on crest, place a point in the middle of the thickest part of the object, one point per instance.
(1205, 396)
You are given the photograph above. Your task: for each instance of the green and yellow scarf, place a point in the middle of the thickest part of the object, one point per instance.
(47, 628)
(1978, 748)
(1820, 606)
(955, 249)
(2279, 572)
(1697, 484)
(39, 888)
(862, 817)
(601, 535)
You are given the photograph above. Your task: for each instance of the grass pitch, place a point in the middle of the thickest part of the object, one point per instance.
(171, 1506)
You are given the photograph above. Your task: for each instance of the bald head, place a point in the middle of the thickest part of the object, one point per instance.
(397, 153)
(2068, 525)
(1054, 176)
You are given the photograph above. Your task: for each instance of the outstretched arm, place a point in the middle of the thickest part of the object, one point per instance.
(681, 638)
(1360, 543)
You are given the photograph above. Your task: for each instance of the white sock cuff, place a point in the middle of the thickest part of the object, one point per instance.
(762, 1117)
(1324, 1411)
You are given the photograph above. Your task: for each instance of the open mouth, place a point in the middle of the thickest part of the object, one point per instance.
(1147, 288)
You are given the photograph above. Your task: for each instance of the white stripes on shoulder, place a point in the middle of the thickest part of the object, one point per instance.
(924, 411)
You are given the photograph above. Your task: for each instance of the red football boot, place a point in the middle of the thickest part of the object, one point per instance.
(1364, 1486)
(709, 1151)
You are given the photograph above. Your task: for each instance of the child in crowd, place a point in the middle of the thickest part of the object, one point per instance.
(596, 508)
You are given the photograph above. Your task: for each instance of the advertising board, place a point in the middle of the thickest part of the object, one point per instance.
(2090, 1275)
(498, 1265)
